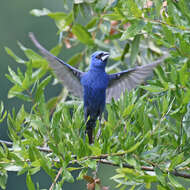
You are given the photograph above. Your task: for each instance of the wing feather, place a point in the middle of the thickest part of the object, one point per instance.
(67, 74)
(129, 79)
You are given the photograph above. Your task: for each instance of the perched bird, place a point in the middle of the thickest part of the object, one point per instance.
(96, 87)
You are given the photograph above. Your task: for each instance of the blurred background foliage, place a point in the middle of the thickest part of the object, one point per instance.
(147, 128)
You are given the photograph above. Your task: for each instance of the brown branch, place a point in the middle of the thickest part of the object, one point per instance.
(43, 149)
(147, 168)
(180, 174)
(164, 23)
(56, 178)
(102, 159)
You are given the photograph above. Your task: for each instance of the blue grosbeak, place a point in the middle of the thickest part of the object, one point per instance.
(96, 87)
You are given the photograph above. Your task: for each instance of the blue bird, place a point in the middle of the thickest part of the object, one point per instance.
(96, 87)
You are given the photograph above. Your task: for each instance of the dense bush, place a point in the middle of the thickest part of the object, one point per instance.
(147, 135)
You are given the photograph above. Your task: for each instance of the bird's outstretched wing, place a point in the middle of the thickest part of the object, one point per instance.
(129, 79)
(67, 74)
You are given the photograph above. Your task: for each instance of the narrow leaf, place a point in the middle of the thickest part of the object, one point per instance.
(160, 175)
(16, 58)
(134, 49)
(29, 183)
(82, 34)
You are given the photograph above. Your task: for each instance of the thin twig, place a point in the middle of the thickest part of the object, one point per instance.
(164, 23)
(43, 149)
(56, 178)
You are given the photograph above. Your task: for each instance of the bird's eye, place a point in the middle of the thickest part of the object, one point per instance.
(99, 56)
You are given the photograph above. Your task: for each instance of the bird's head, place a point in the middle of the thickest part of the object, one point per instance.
(99, 59)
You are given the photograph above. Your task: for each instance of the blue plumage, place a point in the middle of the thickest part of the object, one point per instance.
(94, 83)
(96, 87)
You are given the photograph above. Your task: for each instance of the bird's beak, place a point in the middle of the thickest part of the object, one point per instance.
(105, 56)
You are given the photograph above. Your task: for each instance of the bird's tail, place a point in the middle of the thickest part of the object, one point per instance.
(89, 129)
(90, 133)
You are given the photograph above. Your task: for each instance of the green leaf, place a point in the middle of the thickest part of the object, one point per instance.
(153, 89)
(52, 102)
(41, 86)
(82, 173)
(3, 179)
(92, 23)
(184, 8)
(160, 175)
(67, 176)
(134, 49)
(169, 35)
(134, 29)
(91, 164)
(134, 9)
(113, 16)
(56, 50)
(14, 77)
(165, 105)
(162, 78)
(29, 183)
(30, 54)
(14, 91)
(28, 76)
(128, 110)
(62, 20)
(75, 59)
(186, 97)
(2, 115)
(82, 34)
(21, 115)
(16, 58)
(184, 75)
(134, 147)
(173, 180)
(158, 6)
(125, 51)
(101, 44)
(100, 5)
(184, 47)
(159, 187)
(183, 164)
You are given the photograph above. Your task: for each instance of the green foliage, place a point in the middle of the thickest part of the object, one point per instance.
(147, 134)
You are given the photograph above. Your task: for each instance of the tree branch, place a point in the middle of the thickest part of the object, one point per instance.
(146, 168)
(164, 23)
(43, 149)
(101, 159)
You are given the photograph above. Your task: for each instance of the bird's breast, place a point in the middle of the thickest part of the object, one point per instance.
(94, 88)
(95, 81)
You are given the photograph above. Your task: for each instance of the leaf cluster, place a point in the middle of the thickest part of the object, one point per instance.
(147, 134)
